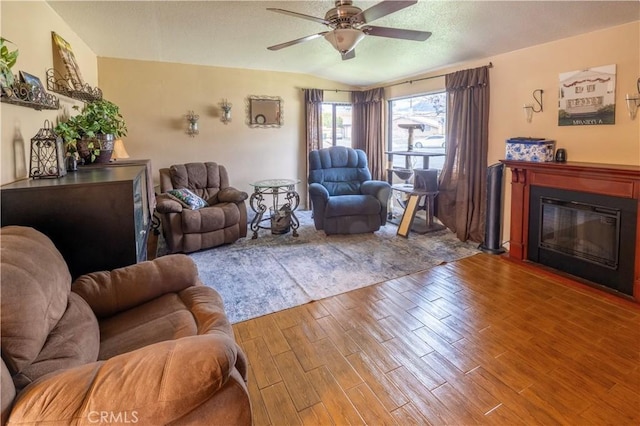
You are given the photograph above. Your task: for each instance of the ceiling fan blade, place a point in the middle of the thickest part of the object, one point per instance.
(381, 9)
(296, 41)
(300, 15)
(349, 55)
(396, 33)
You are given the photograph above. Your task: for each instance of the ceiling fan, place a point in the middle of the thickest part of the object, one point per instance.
(349, 25)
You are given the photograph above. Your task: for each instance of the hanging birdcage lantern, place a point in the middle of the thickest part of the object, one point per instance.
(47, 154)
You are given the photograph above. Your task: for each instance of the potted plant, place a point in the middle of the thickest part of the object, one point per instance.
(91, 134)
(7, 61)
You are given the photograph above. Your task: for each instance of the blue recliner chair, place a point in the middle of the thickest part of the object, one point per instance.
(344, 199)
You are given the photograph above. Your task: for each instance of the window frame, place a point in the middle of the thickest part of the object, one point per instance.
(390, 113)
(334, 122)
(390, 118)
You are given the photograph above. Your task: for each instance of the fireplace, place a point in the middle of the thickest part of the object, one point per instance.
(578, 218)
(591, 236)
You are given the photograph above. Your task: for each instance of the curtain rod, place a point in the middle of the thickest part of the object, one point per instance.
(425, 78)
(331, 90)
(394, 84)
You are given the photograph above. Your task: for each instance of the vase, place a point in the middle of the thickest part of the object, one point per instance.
(106, 147)
(72, 163)
(104, 142)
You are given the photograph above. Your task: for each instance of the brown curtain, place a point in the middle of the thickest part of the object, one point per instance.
(461, 202)
(368, 128)
(313, 111)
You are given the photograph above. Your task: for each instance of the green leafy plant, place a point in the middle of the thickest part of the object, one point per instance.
(100, 117)
(8, 59)
(68, 131)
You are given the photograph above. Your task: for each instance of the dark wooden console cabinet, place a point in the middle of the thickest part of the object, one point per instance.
(98, 217)
(606, 179)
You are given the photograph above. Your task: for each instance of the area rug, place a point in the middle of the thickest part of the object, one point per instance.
(276, 272)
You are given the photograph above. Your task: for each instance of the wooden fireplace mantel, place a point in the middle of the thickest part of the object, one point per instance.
(605, 179)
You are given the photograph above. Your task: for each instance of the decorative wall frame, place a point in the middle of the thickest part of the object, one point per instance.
(68, 61)
(587, 97)
(264, 111)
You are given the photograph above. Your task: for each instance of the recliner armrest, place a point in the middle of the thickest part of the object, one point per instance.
(165, 204)
(158, 384)
(377, 188)
(111, 292)
(231, 195)
(317, 190)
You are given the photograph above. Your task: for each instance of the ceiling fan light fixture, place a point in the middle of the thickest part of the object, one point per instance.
(344, 39)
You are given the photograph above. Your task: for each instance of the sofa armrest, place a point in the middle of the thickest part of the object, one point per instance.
(231, 195)
(377, 188)
(165, 204)
(317, 190)
(157, 384)
(111, 292)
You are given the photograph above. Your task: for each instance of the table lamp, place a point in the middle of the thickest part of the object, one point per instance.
(119, 151)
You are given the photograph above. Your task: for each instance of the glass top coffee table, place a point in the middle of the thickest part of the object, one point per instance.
(281, 217)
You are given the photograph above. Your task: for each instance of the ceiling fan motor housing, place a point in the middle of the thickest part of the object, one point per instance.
(340, 16)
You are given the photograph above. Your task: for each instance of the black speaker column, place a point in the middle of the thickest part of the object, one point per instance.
(493, 222)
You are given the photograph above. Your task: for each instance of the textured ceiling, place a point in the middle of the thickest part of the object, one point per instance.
(236, 33)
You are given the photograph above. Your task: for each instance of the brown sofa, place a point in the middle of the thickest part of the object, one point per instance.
(146, 344)
(223, 221)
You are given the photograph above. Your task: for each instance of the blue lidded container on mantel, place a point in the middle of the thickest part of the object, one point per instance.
(530, 149)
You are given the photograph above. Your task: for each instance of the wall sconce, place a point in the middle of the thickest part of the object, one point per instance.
(529, 109)
(192, 118)
(633, 101)
(226, 111)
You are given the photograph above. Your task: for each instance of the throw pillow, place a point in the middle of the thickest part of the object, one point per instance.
(187, 198)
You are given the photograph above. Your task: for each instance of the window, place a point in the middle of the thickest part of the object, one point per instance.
(336, 124)
(429, 110)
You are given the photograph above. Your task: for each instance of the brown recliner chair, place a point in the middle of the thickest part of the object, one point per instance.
(223, 221)
(146, 344)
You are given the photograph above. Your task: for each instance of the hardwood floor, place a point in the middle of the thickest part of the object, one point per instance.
(478, 341)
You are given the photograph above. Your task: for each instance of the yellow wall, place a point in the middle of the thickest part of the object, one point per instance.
(155, 96)
(28, 25)
(516, 75)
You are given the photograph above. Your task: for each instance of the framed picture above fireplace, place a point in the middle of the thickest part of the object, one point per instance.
(588, 97)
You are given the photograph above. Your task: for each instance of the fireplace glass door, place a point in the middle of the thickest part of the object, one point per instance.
(584, 231)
